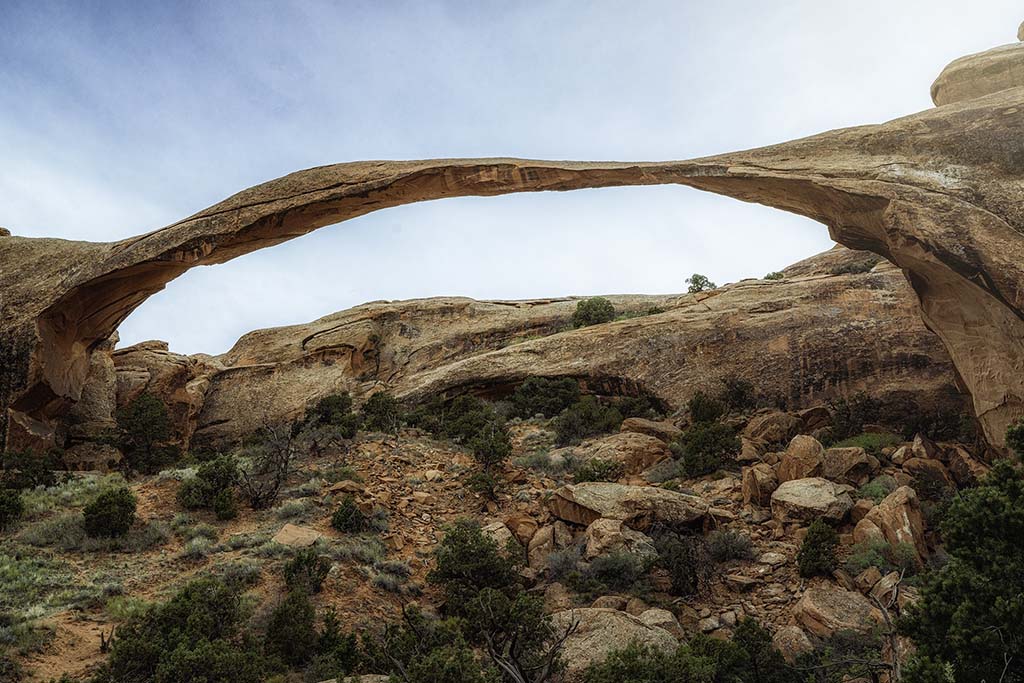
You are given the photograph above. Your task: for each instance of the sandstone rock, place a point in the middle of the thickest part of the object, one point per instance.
(867, 579)
(637, 506)
(885, 592)
(617, 602)
(296, 536)
(556, 598)
(600, 631)
(848, 466)
(499, 533)
(663, 619)
(860, 509)
(931, 471)
(966, 470)
(802, 459)
(791, 642)
(522, 526)
(897, 519)
(749, 451)
(92, 457)
(772, 428)
(663, 429)
(606, 536)
(814, 418)
(922, 447)
(547, 540)
(636, 452)
(980, 74)
(803, 500)
(759, 482)
(825, 609)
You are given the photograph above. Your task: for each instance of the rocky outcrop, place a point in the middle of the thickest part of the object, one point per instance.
(981, 74)
(600, 631)
(937, 193)
(896, 520)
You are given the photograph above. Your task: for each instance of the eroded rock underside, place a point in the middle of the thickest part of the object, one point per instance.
(937, 193)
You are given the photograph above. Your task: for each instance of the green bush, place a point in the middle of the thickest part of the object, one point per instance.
(484, 483)
(215, 479)
(728, 544)
(699, 283)
(926, 670)
(193, 637)
(685, 557)
(27, 469)
(871, 442)
(467, 561)
(225, 505)
(491, 445)
(111, 515)
(878, 488)
(593, 311)
(544, 396)
(11, 508)
(585, 418)
(738, 394)
(879, 553)
(348, 518)
(849, 415)
(704, 447)
(705, 408)
(775, 275)
(145, 430)
(291, 629)
(599, 470)
(970, 610)
(616, 571)
(817, 555)
(335, 411)
(306, 571)
(382, 413)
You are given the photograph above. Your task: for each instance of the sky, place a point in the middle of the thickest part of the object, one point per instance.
(117, 118)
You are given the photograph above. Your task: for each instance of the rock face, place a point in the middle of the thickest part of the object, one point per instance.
(937, 193)
(980, 74)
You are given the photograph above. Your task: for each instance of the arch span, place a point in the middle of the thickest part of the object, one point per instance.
(937, 193)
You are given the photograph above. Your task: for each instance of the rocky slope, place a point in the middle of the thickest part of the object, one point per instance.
(838, 323)
(937, 193)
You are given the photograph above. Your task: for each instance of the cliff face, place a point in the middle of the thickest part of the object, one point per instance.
(936, 193)
(838, 323)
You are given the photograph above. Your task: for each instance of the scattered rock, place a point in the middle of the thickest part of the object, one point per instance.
(759, 482)
(826, 608)
(663, 429)
(791, 642)
(772, 428)
(848, 466)
(606, 536)
(662, 618)
(802, 459)
(636, 452)
(296, 536)
(966, 470)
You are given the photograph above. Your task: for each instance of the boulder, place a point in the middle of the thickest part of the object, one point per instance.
(980, 74)
(848, 466)
(897, 519)
(606, 536)
(826, 608)
(791, 642)
(804, 500)
(814, 418)
(548, 539)
(637, 506)
(636, 452)
(661, 429)
(522, 526)
(860, 509)
(663, 619)
(602, 631)
(802, 459)
(774, 427)
(932, 472)
(759, 482)
(965, 469)
(296, 536)
(500, 533)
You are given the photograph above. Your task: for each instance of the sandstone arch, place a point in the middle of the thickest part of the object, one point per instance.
(937, 193)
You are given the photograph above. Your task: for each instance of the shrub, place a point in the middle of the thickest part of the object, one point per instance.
(645, 406)
(348, 518)
(616, 571)
(817, 555)
(191, 637)
(544, 396)
(291, 629)
(491, 445)
(334, 411)
(111, 515)
(593, 311)
(849, 415)
(599, 470)
(685, 557)
(225, 506)
(485, 484)
(878, 488)
(27, 469)
(211, 480)
(879, 553)
(702, 448)
(466, 562)
(382, 413)
(775, 275)
(270, 461)
(727, 544)
(966, 616)
(871, 442)
(306, 571)
(704, 408)
(146, 428)
(699, 283)
(11, 507)
(587, 417)
(738, 394)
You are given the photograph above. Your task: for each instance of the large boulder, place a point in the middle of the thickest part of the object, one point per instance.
(602, 631)
(548, 539)
(606, 536)
(980, 74)
(774, 427)
(636, 452)
(896, 520)
(965, 469)
(852, 465)
(802, 459)
(826, 608)
(791, 642)
(660, 429)
(804, 500)
(759, 482)
(637, 506)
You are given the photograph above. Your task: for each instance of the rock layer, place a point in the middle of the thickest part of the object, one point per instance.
(937, 193)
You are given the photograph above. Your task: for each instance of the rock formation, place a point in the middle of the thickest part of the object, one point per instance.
(937, 193)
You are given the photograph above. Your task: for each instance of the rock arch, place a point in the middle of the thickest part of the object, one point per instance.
(937, 193)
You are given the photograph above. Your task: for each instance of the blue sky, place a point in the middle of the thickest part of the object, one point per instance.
(118, 118)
